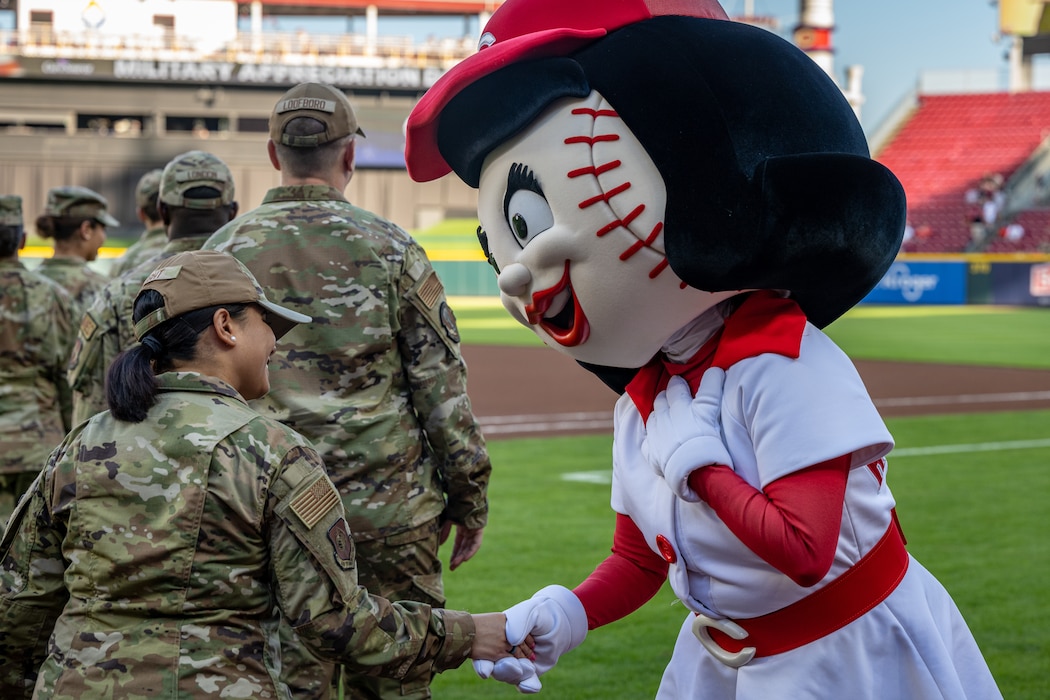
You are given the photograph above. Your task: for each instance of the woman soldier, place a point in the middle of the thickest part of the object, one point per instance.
(76, 219)
(163, 536)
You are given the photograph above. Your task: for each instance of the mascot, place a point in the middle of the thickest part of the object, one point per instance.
(680, 203)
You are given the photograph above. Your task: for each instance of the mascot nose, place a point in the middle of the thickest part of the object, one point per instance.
(514, 280)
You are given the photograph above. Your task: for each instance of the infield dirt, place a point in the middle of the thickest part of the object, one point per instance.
(518, 392)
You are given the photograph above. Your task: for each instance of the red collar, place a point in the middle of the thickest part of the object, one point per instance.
(764, 323)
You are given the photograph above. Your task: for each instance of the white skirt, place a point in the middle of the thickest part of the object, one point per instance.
(915, 645)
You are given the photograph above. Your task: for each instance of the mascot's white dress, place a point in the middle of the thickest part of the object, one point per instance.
(680, 203)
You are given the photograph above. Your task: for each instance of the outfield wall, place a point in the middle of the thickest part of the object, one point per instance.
(1015, 279)
(1008, 280)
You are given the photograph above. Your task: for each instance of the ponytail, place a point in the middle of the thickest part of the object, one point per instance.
(131, 384)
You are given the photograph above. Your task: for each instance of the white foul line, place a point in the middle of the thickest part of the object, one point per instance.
(977, 447)
(547, 422)
(965, 398)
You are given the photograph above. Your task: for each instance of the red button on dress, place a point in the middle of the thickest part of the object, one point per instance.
(666, 549)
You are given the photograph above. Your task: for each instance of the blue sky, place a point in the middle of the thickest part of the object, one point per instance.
(897, 40)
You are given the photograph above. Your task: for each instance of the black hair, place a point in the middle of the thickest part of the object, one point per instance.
(150, 208)
(60, 227)
(131, 385)
(10, 239)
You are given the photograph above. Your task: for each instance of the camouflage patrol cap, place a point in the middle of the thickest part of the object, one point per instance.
(10, 210)
(196, 169)
(73, 202)
(147, 188)
(325, 103)
(202, 278)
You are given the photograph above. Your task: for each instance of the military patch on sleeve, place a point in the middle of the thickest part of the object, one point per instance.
(448, 321)
(88, 326)
(431, 290)
(312, 504)
(342, 543)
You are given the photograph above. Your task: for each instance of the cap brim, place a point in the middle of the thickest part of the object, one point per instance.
(283, 319)
(106, 220)
(422, 156)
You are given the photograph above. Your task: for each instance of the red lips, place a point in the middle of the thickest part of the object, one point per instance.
(569, 326)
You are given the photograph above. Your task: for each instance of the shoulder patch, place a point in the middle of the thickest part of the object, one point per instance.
(430, 290)
(342, 543)
(448, 321)
(88, 326)
(312, 504)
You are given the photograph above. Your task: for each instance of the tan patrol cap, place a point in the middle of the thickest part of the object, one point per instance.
(78, 202)
(325, 103)
(203, 278)
(196, 169)
(10, 210)
(147, 188)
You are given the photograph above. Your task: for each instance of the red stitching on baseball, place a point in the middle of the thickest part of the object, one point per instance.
(638, 245)
(613, 225)
(660, 267)
(595, 112)
(591, 140)
(595, 171)
(606, 196)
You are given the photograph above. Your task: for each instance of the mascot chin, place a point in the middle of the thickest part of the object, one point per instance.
(680, 203)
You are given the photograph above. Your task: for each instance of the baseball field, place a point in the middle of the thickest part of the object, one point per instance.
(964, 390)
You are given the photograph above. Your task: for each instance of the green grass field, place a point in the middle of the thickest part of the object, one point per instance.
(971, 489)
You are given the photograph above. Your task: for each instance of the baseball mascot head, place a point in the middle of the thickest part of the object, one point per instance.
(642, 161)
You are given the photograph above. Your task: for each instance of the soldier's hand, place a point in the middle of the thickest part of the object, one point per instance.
(466, 544)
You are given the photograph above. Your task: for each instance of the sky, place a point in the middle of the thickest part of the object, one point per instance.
(896, 41)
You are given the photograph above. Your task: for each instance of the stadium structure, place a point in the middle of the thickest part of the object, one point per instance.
(97, 92)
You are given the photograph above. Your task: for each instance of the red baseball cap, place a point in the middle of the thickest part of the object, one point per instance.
(521, 30)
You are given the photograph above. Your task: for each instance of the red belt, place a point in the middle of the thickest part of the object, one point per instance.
(863, 586)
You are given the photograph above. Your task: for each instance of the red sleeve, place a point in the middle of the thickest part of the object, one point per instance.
(623, 582)
(793, 524)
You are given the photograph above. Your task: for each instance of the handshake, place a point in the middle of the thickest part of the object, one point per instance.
(557, 622)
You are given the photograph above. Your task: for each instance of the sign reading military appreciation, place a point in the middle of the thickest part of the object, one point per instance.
(227, 73)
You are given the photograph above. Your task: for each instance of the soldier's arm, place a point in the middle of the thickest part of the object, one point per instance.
(96, 346)
(32, 590)
(429, 343)
(312, 556)
(63, 332)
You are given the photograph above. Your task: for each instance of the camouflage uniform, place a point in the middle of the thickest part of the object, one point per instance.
(75, 277)
(146, 247)
(35, 335)
(106, 329)
(152, 239)
(376, 382)
(154, 560)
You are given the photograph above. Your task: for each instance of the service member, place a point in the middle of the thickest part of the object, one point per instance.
(165, 537)
(35, 335)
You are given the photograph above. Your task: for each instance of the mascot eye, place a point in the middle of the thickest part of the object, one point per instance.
(528, 215)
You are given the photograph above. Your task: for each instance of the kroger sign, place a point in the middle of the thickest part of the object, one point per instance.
(921, 283)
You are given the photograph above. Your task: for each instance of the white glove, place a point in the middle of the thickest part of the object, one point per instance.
(555, 618)
(519, 672)
(684, 433)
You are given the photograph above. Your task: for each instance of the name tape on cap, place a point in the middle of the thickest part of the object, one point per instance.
(313, 103)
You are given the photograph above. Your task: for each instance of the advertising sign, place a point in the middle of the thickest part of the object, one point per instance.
(921, 283)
